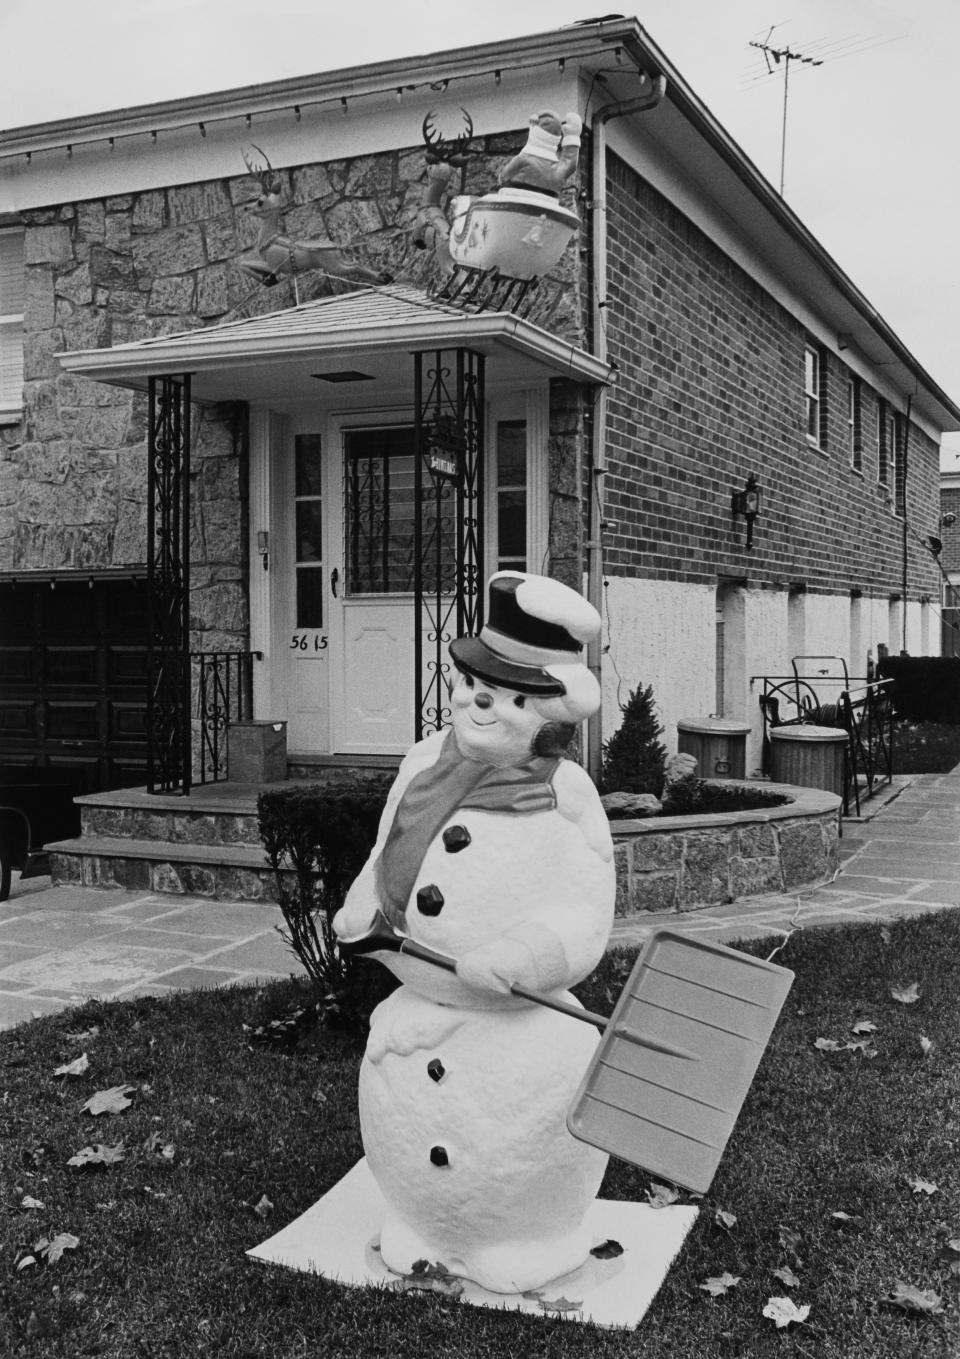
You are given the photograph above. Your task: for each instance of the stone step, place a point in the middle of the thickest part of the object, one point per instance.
(226, 872)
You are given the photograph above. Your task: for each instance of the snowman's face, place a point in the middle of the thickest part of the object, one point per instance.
(493, 724)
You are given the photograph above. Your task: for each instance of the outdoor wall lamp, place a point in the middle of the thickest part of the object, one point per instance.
(747, 503)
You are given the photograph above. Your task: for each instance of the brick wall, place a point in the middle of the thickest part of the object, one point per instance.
(711, 389)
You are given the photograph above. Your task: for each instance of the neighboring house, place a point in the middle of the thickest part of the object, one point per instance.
(701, 337)
(947, 534)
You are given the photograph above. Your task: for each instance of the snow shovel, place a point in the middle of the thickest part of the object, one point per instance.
(677, 1055)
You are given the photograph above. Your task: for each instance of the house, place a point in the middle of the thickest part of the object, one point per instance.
(306, 472)
(945, 546)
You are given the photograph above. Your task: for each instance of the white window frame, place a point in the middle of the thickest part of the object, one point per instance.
(811, 393)
(11, 400)
(855, 422)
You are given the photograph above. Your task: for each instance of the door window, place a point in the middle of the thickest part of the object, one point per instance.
(381, 515)
(309, 531)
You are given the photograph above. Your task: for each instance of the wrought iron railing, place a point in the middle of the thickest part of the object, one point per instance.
(863, 709)
(222, 688)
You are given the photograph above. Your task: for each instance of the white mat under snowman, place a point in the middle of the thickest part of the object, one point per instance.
(337, 1238)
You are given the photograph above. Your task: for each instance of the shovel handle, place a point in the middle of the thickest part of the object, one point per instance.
(382, 935)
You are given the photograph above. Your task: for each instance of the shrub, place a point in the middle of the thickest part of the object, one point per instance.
(634, 760)
(317, 840)
(926, 688)
(683, 796)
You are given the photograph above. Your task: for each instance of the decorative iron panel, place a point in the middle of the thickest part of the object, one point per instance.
(168, 585)
(448, 527)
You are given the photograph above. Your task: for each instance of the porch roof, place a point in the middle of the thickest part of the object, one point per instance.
(372, 331)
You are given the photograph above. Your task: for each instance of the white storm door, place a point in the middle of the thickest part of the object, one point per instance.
(374, 690)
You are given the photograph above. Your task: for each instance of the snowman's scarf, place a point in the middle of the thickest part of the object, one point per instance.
(431, 797)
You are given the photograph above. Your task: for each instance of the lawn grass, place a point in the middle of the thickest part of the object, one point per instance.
(160, 1270)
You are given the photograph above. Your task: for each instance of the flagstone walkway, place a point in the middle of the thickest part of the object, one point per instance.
(61, 945)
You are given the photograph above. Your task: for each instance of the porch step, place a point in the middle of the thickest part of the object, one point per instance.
(226, 872)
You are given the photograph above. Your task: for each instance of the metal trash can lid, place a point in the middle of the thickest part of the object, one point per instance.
(804, 733)
(714, 726)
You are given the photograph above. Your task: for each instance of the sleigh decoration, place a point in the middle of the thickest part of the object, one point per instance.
(494, 250)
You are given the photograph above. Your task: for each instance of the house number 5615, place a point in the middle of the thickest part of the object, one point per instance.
(308, 643)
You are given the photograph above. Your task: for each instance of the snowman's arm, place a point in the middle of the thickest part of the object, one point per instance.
(362, 900)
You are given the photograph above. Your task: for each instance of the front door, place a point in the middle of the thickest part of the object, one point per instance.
(375, 695)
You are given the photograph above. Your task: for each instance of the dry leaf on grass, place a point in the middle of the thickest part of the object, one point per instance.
(784, 1311)
(826, 1044)
(720, 1284)
(950, 1252)
(661, 1195)
(786, 1275)
(910, 1299)
(98, 1155)
(112, 1101)
(51, 1250)
(79, 1067)
(155, 1146)
(906, 995)
(922, 1186)
(29, 1202)
(927, 1045)
(864, 1026)
(724, 1219)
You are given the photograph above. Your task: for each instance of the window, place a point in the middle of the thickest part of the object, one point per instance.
(813, 394)
(511, 495)
(309, 531)
(883, 443)
(11, 319)
(854, 424)
(899, 465)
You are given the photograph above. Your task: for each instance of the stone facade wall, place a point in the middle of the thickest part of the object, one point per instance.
(711, 388)
(678, 863)
(73, 474)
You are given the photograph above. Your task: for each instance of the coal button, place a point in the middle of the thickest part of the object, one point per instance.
(430, 900)
(439, 1157)
(436, 1070)
(456, 838)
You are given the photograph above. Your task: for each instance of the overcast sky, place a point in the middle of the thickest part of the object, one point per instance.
(871, 140)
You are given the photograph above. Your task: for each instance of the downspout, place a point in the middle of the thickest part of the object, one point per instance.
(598, 463)
(906, 441)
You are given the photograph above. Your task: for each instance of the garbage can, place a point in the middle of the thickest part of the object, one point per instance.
(718, 744)
(809, 757)
(256, 752)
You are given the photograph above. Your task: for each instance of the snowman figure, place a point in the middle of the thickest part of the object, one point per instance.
(495, 850)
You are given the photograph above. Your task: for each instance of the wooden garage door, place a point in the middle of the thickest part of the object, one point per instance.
(73, 689)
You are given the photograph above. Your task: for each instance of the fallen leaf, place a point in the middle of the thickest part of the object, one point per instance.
(910, 1299)
(865, 1046)
(927, 1045)
(826, 1044)
(786, 1275)
(847, 1221)
(426, 1277)
(885, 934)
(318, 1094)
(79, 1067)
(789, 1240)
(53, 1249)
(906, 995)
(724, 1219)
(560, 1304)
(864, 1026)
(98, 1155)
(264, 1208)
(783, 1311)
(950, 1251)
(28, 1202)
(922, 1186)
(661, 1195)
(85, 1035)
(25, 1262)
(112, 1101)
(720, 1284)
(607, 1250)
(155, 1146)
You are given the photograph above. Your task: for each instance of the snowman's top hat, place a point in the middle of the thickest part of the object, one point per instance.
(533, 638)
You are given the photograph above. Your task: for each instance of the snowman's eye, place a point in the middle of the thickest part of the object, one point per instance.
(521, 700)
(468, 681)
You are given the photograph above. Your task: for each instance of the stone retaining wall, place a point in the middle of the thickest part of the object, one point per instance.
(679, 863)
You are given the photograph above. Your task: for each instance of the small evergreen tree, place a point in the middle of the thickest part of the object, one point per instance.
(634, 759)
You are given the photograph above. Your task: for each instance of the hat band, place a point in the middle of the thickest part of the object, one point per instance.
(521, 653)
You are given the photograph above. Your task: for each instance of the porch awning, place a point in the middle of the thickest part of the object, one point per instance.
(370, 333)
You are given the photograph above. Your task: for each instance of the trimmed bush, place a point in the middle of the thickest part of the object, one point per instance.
(317, 840)
(634, 760)
(926, 688)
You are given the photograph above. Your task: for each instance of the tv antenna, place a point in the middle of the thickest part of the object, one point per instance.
(786, 55)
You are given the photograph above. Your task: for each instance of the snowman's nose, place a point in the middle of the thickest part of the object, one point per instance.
(483, 701)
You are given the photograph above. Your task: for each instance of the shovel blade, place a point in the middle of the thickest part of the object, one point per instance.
(678, 1057)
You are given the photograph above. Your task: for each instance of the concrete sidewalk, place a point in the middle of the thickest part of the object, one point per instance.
(62, 945)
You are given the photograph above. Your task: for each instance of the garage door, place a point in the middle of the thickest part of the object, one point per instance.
(73, 689)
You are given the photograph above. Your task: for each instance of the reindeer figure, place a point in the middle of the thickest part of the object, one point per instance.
(276, 255)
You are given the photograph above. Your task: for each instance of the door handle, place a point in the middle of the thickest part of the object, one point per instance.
(334, 579)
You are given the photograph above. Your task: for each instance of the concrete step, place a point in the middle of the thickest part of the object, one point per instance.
(225, 872)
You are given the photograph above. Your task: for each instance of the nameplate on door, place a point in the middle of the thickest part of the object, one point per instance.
(308, 645)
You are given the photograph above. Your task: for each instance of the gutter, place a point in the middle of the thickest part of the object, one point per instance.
(598, 461)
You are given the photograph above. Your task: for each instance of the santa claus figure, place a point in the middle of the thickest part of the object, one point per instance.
(493, 849)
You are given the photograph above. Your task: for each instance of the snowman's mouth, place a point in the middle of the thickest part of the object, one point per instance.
(477, 723)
